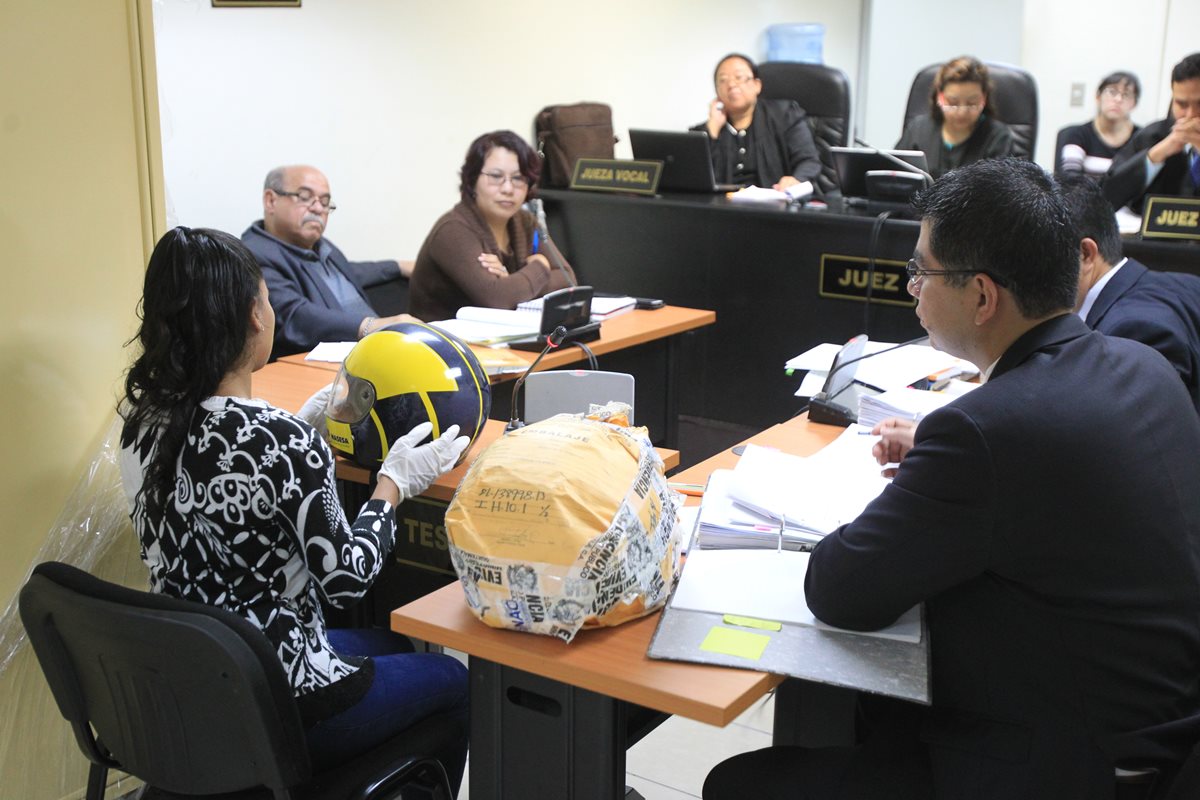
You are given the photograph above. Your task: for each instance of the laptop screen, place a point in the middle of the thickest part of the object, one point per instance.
(687, 165)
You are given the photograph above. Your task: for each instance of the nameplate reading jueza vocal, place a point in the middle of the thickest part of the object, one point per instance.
(616, 175)
(848, 278)
(1171, 218)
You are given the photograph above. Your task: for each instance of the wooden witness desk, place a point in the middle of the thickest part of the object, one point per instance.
(643, 343)
(550, 719)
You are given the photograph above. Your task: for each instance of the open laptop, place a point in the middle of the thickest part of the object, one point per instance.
(853, 164)
(687, 166)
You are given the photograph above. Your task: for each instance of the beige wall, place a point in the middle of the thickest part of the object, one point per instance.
(79, 137)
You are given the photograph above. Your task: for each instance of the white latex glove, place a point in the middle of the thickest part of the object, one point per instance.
(313, 410)
(413, 468)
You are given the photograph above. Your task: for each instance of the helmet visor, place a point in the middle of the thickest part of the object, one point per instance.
(351, 399)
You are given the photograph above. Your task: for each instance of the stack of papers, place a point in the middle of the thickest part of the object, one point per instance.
(726, 524)
(476, 325)
(912, 404)
(733, 581)
(806, 498)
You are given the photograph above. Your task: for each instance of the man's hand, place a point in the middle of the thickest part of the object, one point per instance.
(896, 439)
(1183, 132)
(371, 324)
(785, 183)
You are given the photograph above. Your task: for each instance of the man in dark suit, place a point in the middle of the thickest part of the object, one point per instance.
(1048, 520)
(1164, 156)
(1120, 297)
(317, 293)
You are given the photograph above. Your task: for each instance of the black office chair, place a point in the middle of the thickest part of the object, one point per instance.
(1014, 102)
(193, 700)
(824, 93)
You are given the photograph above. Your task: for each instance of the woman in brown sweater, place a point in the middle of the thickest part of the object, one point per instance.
(483, 252)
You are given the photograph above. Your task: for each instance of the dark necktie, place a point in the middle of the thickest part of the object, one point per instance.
(1195, 169)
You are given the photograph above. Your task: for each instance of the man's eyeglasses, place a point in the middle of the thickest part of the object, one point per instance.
(519, 181)
(306, 198)
(916, 275)
(734, 80)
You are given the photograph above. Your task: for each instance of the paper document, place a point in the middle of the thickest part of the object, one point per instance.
(333, 352)
(893, 370)
(602, 307)
(758, 194)
(818, 493)
(724, 523)
(766, 585)
(491, 325)
(905, 403)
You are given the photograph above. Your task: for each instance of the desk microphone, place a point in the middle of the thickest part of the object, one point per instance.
(552, 341)
(899, 162)
(821, 406)
(554, 255)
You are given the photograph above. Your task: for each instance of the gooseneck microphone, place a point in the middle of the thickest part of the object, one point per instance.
(552, 341)
(553, 254)
(821, 406)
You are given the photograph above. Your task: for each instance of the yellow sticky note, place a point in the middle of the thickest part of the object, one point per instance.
(751, 622)
(735, 643)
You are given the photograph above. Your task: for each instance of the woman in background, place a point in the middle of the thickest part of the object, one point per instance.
(1089, 148)
(484, 251)
(756, 142)
(959, 128)
(235, 506)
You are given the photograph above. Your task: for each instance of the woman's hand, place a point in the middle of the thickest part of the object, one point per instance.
(896, 439)
(538, 258)
(716, 118)
(491, 263)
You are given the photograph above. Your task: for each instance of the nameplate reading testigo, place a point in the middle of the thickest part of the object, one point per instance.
(1171, 218)
(616, 175)
(848, 278)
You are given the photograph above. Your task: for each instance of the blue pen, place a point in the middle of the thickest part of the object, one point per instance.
(535, 241)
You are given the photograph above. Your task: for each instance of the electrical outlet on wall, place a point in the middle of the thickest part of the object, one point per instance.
(1077, 90)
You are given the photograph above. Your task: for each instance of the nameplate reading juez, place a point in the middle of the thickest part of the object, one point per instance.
(1171, 218)
(616, 175)
(848, 278)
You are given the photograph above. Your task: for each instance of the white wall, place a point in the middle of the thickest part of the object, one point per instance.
(385, 96)
(902, 37)
(1067, 41)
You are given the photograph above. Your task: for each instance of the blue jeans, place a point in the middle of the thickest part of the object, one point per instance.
(407, 688)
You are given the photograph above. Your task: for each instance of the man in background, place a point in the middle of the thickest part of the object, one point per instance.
(1164, 156)
(317, 293)
(1120, 297)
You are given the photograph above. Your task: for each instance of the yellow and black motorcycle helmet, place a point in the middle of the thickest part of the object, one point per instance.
(399, 377)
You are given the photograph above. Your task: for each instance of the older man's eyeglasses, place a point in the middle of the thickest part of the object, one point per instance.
(306, 198)
(518, 181)
(916, 275)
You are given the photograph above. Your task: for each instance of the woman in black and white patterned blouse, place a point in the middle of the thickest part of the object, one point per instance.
(235, 505)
